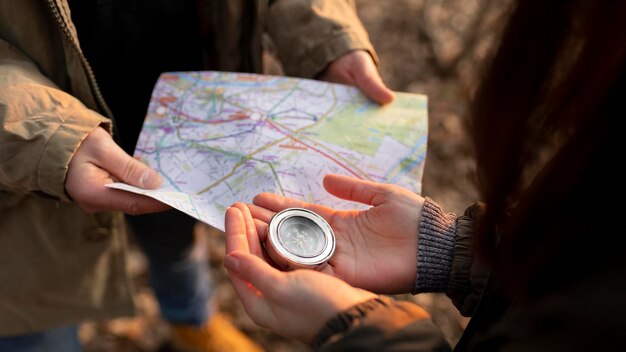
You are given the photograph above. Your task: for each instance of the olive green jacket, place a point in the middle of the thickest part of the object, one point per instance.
(59, 265)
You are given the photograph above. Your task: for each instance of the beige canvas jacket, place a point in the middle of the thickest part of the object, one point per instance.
(59, 265)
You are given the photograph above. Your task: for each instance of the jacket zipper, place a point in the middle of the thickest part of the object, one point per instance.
(90, 75)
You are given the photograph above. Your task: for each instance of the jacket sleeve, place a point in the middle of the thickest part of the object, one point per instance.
(381, 324)
(468, 276)
(41, 127)
(445, 263)
(309, 34)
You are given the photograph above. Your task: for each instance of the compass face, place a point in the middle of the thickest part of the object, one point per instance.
(301, 236)
(298, 238)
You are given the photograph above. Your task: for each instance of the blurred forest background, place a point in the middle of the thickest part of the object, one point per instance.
(432, 47)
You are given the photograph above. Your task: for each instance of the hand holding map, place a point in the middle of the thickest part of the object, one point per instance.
(217, 138)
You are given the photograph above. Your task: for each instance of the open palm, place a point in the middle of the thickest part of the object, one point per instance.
(376, 248)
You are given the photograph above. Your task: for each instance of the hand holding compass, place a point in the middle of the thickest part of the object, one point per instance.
(273, 298)
(376, 249)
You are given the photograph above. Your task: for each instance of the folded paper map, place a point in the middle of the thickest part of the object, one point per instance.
(217, 138)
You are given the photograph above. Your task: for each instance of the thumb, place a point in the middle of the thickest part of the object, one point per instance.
(371, 84)
(367, 78)
(254, 270)
(354, 189)
(136, 173)
(129, 170)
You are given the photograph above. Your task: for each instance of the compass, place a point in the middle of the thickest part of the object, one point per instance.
(299, 239)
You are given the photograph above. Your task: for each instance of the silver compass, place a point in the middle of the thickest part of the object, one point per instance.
(299, 239)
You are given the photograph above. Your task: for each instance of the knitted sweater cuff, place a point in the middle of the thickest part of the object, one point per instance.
(435, 248)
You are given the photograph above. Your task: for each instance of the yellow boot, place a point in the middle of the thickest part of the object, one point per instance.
(217, 335)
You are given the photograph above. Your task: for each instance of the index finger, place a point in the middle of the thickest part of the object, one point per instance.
(254, 241)
(236, 234)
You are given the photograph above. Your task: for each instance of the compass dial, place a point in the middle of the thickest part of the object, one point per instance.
(301, 236)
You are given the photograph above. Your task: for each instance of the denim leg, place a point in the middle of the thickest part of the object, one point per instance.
(63, 339)
(180, 280)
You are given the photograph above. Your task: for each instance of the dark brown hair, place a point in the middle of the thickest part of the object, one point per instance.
(545, 128)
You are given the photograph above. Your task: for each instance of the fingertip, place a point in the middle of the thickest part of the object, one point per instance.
(380, 93)
(150, 179)
(353, 189)
(245, 211)
(386, 96)
(328, 178)
(331, 176)
(233, 211)
(232, 216)
(238, 205)
(331, 179)
(258, 196)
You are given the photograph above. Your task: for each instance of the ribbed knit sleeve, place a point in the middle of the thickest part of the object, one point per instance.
(435, 248)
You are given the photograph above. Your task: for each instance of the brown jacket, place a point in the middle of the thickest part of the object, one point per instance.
(59, 265)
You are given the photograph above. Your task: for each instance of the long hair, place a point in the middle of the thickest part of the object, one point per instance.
(545, 128)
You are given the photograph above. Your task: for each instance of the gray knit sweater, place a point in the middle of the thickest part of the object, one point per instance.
(435, 248)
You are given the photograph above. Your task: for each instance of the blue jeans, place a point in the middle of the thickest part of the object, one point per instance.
(181, 282)
(63, 339)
